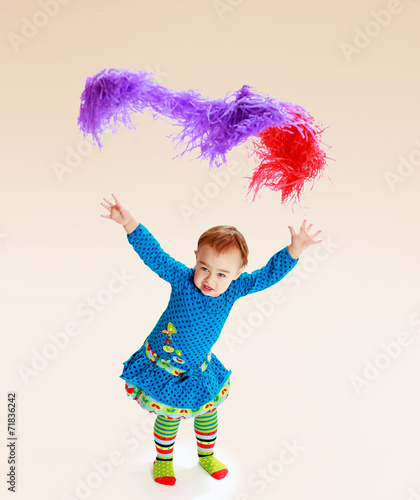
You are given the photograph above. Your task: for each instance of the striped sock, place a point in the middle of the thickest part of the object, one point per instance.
(165, 431)
(205, 427)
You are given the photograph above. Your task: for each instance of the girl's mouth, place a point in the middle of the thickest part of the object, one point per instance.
(206, 288)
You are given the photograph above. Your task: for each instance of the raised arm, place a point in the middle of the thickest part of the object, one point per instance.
(276, 269)
(279, 265)
(146, 246)
(151, 253)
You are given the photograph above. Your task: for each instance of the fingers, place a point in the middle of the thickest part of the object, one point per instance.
(111, 205)
(103, 204)
(108, 207)
(304, 238)
(302, 228)
(316, 234)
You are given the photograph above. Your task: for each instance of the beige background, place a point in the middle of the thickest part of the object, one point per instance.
(293, 364)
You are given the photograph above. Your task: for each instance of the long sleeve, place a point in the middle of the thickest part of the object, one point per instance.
(276, 268)
(151, 253)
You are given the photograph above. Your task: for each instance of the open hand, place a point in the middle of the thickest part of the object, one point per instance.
(116, 211)
(301, 240)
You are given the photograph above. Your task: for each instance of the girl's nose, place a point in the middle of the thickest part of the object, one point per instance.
(210, 280)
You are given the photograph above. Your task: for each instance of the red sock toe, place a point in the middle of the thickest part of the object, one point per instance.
(170, 481)
(220, 474)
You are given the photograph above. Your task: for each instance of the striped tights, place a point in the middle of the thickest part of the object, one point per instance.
(165, 431)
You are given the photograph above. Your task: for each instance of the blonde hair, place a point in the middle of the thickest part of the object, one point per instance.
(224, 238)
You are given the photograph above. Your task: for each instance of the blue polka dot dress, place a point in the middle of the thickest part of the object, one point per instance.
(174, 373)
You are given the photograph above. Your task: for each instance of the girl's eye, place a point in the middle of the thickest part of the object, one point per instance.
(221, 275)
(204, 268)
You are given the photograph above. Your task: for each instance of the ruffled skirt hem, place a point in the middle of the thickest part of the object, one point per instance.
(147, 402)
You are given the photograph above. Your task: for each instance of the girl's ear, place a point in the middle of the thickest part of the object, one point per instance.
(239, 272)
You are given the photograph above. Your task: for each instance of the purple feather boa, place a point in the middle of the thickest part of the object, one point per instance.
(214, 126)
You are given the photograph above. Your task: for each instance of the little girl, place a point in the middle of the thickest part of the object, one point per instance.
(174, 374)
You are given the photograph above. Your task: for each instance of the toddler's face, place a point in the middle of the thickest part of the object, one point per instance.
(215, 272)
